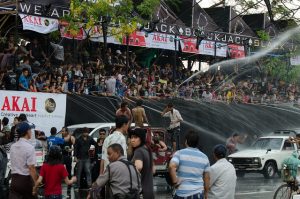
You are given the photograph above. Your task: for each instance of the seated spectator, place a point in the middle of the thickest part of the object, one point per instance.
(24, 80)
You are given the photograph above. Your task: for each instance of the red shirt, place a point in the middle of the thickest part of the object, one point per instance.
(52, 177)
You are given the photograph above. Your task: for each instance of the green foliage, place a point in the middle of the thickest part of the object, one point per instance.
(279, 68)
(88, 15)
(146, 8)
(54, 35)
(263, 35)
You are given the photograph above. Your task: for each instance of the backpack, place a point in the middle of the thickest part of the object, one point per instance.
(133, 193)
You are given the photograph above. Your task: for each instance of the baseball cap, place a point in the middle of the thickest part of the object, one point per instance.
(23, 127)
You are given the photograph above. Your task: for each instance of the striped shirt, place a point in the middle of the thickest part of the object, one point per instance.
(191, 165)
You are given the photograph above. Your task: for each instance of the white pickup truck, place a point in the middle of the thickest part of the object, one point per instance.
(264, 156)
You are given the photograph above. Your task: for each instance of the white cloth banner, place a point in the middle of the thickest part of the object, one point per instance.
(221, 49)
(44, 110)
(295, 60)
(207, 48)
(160, 40)
(39, 24)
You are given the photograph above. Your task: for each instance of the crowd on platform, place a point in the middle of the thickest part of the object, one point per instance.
(27, 68)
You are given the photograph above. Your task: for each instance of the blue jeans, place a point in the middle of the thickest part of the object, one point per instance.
(86, 166)
(195, 196)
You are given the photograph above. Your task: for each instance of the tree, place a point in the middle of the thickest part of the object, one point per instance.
(118, 18)
(280, 9)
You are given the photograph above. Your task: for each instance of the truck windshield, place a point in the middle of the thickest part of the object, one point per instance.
(268, 143)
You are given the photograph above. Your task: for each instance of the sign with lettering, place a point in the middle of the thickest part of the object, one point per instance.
(45, 110)
(39, 24)
(236, 51)
(207, 48)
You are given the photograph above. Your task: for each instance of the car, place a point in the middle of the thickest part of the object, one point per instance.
(265, 155)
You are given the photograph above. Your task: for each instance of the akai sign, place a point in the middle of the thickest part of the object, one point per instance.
(45, 110)
(39, 24)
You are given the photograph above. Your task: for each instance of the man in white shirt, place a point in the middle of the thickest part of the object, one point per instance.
(207, 96)
(117, 137)
(222, 176)
(174, 128)
(111, 85)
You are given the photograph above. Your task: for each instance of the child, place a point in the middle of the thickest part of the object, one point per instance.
(52, 172)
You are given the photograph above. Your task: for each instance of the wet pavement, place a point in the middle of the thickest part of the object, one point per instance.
(251, 186)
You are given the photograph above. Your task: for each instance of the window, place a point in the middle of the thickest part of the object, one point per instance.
(288, 146)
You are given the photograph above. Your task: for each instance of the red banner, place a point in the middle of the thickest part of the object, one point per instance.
(236, 51)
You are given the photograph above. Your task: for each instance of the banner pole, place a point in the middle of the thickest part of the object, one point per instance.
(175, 60)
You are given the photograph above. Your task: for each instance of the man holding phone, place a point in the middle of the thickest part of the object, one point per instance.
(174, 128)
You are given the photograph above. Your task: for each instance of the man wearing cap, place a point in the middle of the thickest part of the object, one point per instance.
(23, 160)
(222, 176)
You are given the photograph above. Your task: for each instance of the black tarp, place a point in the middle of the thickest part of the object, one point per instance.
(214, 121)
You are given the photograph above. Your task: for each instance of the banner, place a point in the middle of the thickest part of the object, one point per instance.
(160, 40)
(39, 24)
(45, 110)
(295, 60)
(221, 50)
(207, 47)
(80, 35)
(236, 51)
(188, 45)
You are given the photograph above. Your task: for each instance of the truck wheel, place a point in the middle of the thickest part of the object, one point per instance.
(270, 170)
(240, 174)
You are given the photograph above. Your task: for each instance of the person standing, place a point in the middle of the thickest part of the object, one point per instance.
(124, 110)
(52, 173)
(192, 179)
(232, 141)
(143, 161)
(67, 148)
(139, 114)
(98, 154)
(82, 157)
(53, 140)
(23, 161)
(117, 137)
(121, 175)
(174, 128)
(4, 149)
(13, 132)
(222, 175)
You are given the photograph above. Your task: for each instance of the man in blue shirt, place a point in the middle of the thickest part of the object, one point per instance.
(23, 80)
(52, 140)
(192, 180)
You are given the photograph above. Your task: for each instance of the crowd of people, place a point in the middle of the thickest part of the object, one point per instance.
(119, 165)
(26, 67)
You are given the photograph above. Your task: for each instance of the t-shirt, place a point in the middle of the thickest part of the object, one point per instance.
(191, 165)
(52, 140)
(24, 82)
(142, 154)
(52, 177)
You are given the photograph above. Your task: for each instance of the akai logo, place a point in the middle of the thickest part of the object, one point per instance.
(19, 104)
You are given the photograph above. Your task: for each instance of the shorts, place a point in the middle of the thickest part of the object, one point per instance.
(174, 133)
